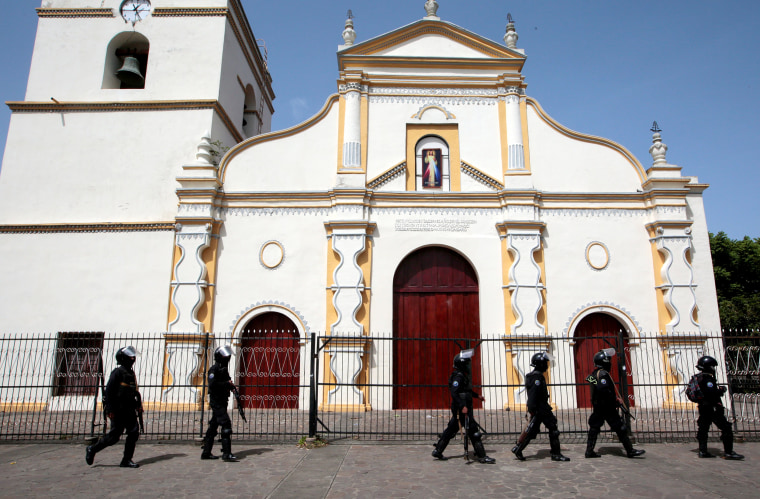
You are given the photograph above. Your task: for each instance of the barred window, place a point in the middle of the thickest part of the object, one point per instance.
(78, 364)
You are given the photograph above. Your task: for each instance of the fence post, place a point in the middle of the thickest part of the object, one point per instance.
(313, 387)
(203, 389)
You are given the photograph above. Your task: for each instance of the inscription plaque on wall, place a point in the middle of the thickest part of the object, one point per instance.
(432, 225)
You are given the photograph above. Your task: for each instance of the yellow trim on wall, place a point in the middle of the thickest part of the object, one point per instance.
(589, 138)
(449, 133)
(503, 137)
(341, 130)
(525, 134)
(364, 102)
(258, 139)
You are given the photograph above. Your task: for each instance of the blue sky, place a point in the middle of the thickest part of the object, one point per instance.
(600, 67)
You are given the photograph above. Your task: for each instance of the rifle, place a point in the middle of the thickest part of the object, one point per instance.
(622, 406)
(625, 411)
(467, 438)
(527, 430)
(139, 410)
(239, 404)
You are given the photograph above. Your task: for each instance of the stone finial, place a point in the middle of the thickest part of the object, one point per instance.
(510, 37)
(431, 8)
(658, 149)
(203, 155)
(349, 35)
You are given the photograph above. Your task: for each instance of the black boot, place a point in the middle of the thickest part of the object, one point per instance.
(517, 451)
(590, 444)
(440, 446)
(227, 454)
(703, 452)
(555, 447)
(128, 463)
(480, 452)
(629, 450)
(728, 447)
(208, 444)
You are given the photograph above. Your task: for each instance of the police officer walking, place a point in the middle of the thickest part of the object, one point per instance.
(462, 394)
(540, 412)
(219, 387)
(121, 401)
(605, 402)
(711, 410)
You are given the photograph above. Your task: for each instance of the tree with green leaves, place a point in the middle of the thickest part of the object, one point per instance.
(736, 264)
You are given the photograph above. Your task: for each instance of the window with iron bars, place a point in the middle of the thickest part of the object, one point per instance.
(78, 364)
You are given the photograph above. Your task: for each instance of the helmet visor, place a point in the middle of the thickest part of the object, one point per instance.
(467, 354)
(224, 351)
(608, 352)
(130, 351)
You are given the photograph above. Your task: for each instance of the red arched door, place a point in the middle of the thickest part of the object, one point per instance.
(435, 301)
(593, 333)
(269, 364)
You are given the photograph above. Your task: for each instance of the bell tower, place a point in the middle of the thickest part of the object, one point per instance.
(117, 100)
(129, 106)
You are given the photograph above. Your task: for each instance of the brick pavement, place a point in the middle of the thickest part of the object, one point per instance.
(374, 470)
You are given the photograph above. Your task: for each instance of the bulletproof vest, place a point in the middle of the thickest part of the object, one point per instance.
(218, 383)
(602, 386)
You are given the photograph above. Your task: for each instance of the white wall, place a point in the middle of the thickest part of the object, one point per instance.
(101, 281)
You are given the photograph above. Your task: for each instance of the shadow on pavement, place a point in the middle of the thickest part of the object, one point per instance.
(156, 459)
(251, 452)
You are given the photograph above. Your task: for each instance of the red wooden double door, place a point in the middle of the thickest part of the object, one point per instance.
(435, 315)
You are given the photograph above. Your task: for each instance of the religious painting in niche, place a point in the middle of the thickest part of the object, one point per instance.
(431, 168)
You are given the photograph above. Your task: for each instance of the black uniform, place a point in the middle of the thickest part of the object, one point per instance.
(604, 401)
(462, 394)
(540, 412)
(121, 404)
(711, 411)
(219, 388)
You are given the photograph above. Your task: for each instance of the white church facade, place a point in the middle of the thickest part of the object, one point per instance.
(431, 196)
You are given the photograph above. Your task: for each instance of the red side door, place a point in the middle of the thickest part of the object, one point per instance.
(269, 365)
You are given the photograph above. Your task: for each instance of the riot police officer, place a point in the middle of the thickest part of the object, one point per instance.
(540, 412)
(605, 402)
(121, 401)
(462, 394)
(711, 410)
(219, 387)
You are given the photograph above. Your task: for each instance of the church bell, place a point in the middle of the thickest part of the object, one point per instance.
(129, 73)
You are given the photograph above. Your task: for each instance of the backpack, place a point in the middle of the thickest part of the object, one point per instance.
(693, 390)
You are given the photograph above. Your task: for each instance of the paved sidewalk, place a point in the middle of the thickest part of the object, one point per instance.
(374, 471)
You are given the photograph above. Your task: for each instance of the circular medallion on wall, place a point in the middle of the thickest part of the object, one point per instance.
(271, 254)
(597, 255)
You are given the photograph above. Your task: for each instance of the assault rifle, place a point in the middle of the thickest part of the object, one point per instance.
(239, 403)
(625, 411)
(467, 438)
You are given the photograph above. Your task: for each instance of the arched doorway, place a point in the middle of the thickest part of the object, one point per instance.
(593, 333)
(268, 370)
(435, 300)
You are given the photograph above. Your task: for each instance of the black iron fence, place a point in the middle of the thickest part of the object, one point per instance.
(363, 388)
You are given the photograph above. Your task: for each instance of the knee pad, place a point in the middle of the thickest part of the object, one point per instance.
(226, 432)
(554, 434)
(593, 432)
